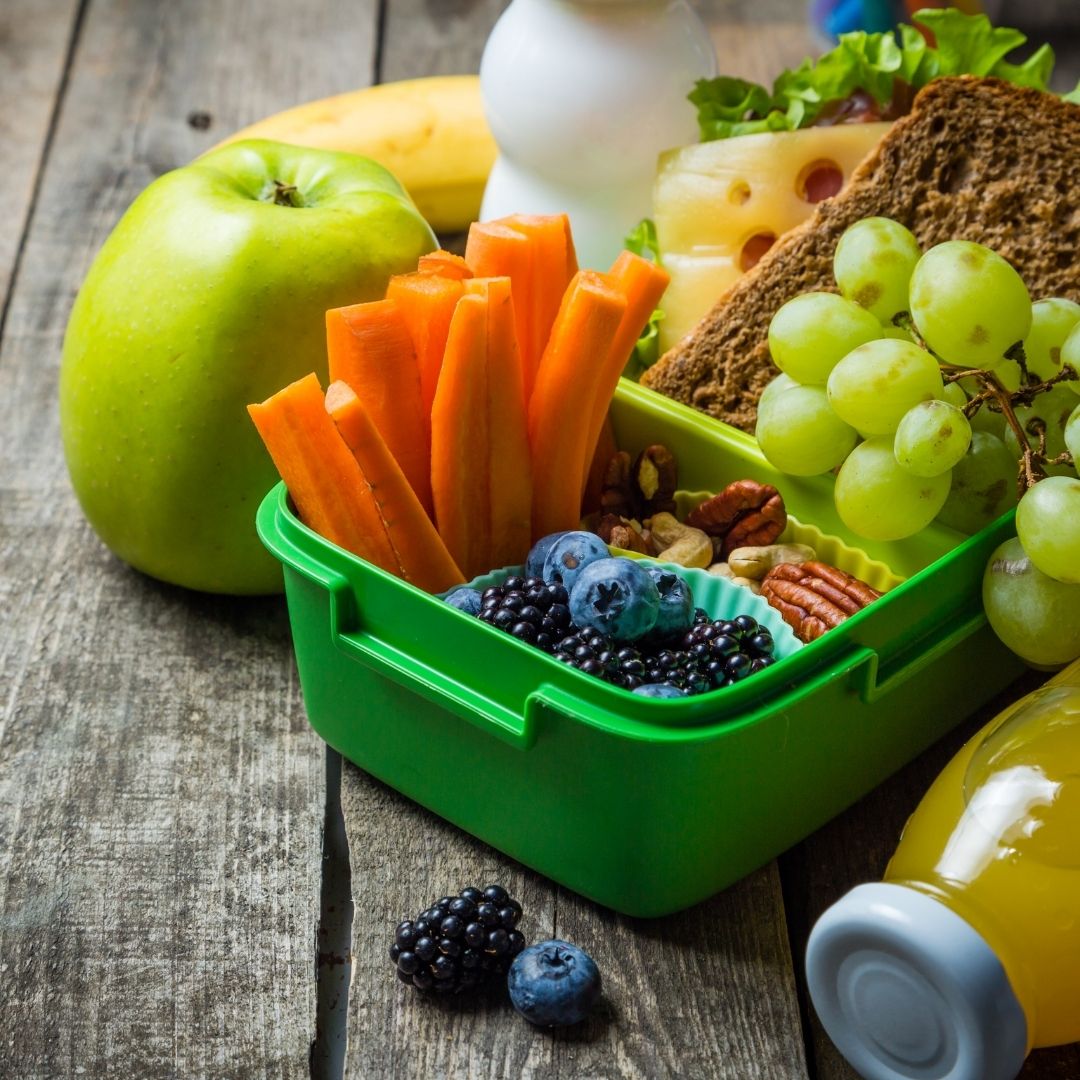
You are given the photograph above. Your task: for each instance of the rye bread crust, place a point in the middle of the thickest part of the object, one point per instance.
(976, 159)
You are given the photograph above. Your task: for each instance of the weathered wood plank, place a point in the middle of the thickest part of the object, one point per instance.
(856, 847)
(445, 38)
(708, 992)
(161, 795)
(34, 41)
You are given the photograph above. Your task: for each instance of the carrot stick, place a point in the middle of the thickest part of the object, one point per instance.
(445, 264)
(371, 349)
(427, 304)
(420, 551)
(327, 485)
(552, 231)
(460, 440)
(496, 250)
(561, 404)
(642, 283)
(554, 265)
(510, 477)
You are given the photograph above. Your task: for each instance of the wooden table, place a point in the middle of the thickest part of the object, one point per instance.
(175, 843)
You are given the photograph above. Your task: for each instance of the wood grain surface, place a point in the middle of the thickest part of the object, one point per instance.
(162, 797)
(161, 794)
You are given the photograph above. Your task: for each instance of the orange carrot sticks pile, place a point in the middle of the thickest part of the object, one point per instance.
(370, 348)
(469, 408)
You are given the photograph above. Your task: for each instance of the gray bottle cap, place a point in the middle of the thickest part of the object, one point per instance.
(908, 990)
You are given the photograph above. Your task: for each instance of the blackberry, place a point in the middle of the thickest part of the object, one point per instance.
(459, 941)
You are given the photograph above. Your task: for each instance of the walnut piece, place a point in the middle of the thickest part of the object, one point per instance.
(656, 475)
(745, 514)
(617, 493)
(814, 597)
(623, 533)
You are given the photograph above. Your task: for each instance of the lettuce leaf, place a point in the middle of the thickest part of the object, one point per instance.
(641, 240)
(871, 64)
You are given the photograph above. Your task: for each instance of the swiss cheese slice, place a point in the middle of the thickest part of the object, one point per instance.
(718, 205)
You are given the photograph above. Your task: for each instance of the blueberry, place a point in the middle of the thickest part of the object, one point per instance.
(676, 601)
(617, 597)
(554, 983)
(660, 690)
(570, 554)
(534, 561)
(465, 599)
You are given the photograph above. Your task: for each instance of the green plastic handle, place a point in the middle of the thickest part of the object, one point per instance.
(517, 729)
(875, 680)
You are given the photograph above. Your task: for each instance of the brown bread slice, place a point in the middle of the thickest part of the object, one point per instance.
(976, 159)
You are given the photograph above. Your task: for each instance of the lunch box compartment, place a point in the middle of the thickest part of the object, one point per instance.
(644, 805)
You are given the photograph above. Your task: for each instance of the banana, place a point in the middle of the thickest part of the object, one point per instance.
(430, 133)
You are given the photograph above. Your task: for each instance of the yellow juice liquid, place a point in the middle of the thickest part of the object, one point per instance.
(997, 840)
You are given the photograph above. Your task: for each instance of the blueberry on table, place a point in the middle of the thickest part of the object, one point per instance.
(570, 554)
(617, 597)
(554, 983)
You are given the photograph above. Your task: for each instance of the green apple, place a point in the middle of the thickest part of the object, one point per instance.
(210, 294)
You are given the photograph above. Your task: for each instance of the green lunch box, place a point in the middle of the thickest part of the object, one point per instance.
(644, 805)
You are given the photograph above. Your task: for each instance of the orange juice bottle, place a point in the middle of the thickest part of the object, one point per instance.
(967, 955)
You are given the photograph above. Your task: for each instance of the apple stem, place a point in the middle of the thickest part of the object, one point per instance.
(286, 194)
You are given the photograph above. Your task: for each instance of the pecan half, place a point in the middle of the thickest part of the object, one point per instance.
(814, 597)
(745, 514)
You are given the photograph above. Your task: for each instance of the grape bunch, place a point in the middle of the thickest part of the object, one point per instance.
(936, 390)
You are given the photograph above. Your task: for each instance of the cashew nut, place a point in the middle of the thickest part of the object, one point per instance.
(721, 569)
(756, 562)
(747, 583)
(679, 543)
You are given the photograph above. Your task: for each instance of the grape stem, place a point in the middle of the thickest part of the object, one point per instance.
(1033, 461)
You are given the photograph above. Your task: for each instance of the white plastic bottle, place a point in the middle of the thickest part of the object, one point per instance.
(581, 96)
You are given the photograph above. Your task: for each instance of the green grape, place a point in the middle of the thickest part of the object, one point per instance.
(983, 485)
(1072, 437)
(1009, 375)
(969, 304)
(1048, 525)
(897, 332)
(800, 434)
(1051, 321)
(875, 384)
(873, 264)
(932, 437)
(954, 395)
(776, 385)
(1034, 615)
(1054, 409)
(809, 334)
(1070, 354)
(878, 500)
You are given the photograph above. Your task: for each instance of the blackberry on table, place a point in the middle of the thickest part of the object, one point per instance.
(459, 941)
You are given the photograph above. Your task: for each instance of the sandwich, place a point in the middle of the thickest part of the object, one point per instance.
(976, 158)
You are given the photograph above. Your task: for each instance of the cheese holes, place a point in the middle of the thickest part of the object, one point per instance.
(754, 249)
(739, 193)
(819, 180)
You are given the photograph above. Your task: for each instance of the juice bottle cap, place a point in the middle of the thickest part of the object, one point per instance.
(908, 990)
